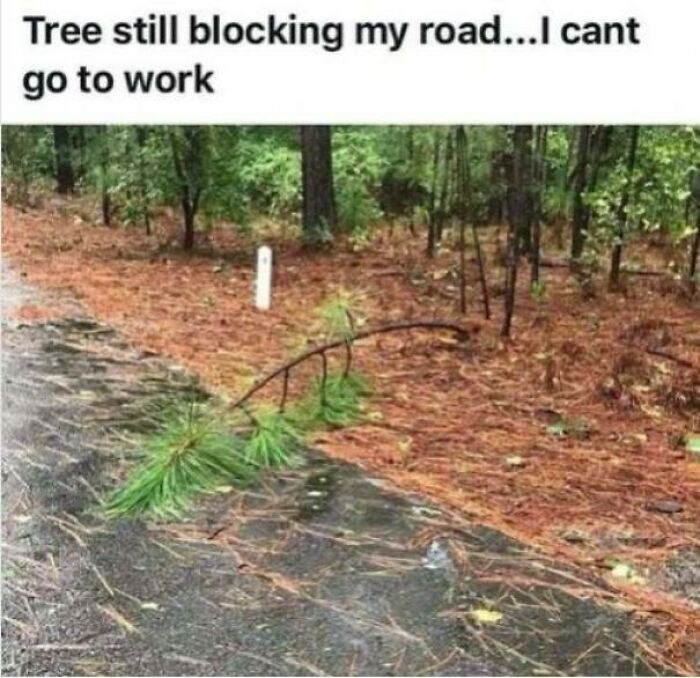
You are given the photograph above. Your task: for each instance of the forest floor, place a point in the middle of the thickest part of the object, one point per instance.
(569, 437)
(316, 570)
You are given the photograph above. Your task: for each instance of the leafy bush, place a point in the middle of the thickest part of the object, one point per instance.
(358, 167)
(271, 177)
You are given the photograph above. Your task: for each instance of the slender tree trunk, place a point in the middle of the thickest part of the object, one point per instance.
(466, 212)
(578, 233)
(540, 174)
(190, 167)
(463, 181)
(104, 176)
(695, 249)
(318, 210)
(443, 204)
(141, 136)
(65, 177)
(432, 207)
(518, 220)
(188, 233)
(525, 225)
(616, 258)
(597, 145)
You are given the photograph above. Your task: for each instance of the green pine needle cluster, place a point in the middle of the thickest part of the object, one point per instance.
(195, 449)
(337, 402)
(189, 454)
(274, 442)
(339, 314)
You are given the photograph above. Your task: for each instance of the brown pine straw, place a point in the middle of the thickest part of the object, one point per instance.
(445, 417)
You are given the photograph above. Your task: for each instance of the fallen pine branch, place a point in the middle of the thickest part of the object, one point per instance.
(285, 368)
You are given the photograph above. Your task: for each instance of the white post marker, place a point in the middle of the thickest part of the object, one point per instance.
(263, 281)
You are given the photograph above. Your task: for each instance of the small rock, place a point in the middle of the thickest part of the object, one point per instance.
(664, 506)
(515, 461)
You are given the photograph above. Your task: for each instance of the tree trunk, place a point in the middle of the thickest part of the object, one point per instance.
(318, 209)
(444, 202)
(433, 206)
(465, 198)
(540, 177)
(694, 250)
(104, 174)
(463, 204)
(616, 259)
(578, 233)
(188, 233)
(525, 219)
(189, 159)
(79, 144)
(65, 177)
(141, 135)
(695, 247)
(518, 219)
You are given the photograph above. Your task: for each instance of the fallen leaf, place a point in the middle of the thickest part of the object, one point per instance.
(483, 615)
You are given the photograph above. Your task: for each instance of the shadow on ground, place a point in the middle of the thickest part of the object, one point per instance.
(317, 571)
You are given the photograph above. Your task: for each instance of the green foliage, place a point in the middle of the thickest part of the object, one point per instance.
(358, 168)
(380, 172)
(334, 402)
(659, 187)
(194, 450)
(271, 177)
(188, 454)
(274, 442)
(27, 161)
(341, 313)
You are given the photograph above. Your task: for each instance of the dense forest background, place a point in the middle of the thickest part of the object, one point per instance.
(589, 190)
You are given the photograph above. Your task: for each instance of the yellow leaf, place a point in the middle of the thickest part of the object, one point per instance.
(485, 616)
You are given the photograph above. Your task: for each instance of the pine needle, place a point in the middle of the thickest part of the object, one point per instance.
(337, 402)
(189, 454)
(274, 442)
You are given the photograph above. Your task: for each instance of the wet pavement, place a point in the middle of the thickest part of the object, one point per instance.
(319, 570)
